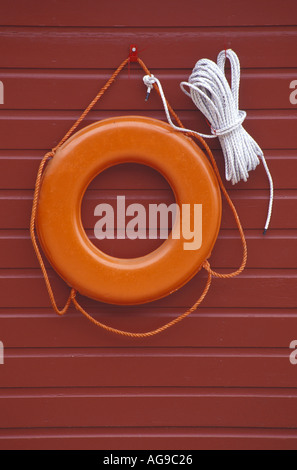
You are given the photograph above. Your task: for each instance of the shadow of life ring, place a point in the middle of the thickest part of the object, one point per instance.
(77, 162)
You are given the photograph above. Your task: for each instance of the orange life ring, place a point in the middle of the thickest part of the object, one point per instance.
(90, 151)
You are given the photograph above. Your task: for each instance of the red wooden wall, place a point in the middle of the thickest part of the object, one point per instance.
(220, 379)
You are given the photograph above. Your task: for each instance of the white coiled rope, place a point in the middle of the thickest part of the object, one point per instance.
(211, 93)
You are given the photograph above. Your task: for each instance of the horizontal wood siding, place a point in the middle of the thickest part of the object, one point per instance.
(130, 13)
(222, 378)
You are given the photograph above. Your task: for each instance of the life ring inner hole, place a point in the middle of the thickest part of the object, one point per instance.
(136, 196)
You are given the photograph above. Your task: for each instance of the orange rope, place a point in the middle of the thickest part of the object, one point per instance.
(148, 333)
(92, 104)
(222, 186)
(237, 220)
(34, 241)
(73, 292)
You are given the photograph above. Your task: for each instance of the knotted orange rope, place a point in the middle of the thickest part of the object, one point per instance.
(206, 265)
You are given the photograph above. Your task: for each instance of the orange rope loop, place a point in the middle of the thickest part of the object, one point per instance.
(206, 265)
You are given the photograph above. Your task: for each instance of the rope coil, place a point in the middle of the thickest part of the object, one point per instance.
(206, 265)
(212, 95)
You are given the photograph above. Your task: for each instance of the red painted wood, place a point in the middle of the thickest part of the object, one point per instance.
(53, 408)
(15, 209)
(18, 170)
(225, 370)
(266, 12)
(207, 327)
(152, 438)
(42, 47)
(17, 250)
(44, 129)
(269, 288)
(61, 89)
(142, 367)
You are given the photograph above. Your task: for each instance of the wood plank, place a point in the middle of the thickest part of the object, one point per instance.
(207, 327)
(16, 206)
(251, 207)
(17, 250)
(267, 12)
(225, 371)
(143, 407)
(152, 438)
(269, 288)
(18, 170)
(43, 47)
(170, 367)
(44, 129)
(74, 89)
